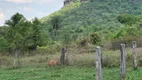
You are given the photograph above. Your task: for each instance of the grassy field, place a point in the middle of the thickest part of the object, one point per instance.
(80, 66)
(66, 73)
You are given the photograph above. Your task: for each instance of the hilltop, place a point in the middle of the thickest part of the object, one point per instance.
(69, 1)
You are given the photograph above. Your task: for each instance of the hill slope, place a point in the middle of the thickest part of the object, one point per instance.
(95, 16)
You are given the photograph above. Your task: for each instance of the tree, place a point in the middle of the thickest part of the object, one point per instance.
(67, 39)
(91, 0)
(36, 34)
(15, 19)
(23, 35)
(3, 30)
(26, 31)
(127, 19)
(56, 24)
(13, 34)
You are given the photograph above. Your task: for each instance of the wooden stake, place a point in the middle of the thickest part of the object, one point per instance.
(134, 54)
(62, 58)
(15, 59)
(98, 64)
(122, 62)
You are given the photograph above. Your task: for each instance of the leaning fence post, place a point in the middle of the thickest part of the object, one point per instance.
(134, 54)
(98, 64)
(122, 62)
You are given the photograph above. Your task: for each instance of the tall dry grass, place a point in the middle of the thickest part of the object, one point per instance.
(110, 58)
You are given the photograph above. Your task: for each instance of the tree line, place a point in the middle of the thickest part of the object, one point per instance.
(19, 34)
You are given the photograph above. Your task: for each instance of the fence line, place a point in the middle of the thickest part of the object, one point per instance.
(122, 61)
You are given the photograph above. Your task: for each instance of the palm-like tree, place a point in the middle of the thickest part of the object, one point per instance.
(56, 24)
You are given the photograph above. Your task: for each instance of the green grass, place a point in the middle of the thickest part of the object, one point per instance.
(66, 73)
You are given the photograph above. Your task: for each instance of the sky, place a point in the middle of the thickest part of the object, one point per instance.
(29, 8)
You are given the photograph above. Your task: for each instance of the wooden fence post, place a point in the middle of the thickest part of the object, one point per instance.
(122, 62)
(15, 64)
(134, 54)
(62, 58)
(98, 64)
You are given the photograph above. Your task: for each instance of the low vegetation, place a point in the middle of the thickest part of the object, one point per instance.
(66, 73)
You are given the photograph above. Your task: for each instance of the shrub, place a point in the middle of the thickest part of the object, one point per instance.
(140, 62)
(3, 44)
(95, 39)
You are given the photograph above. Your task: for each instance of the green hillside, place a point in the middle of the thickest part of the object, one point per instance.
(93, 16)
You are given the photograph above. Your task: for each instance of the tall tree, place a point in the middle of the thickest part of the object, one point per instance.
(37, 41)
(13, 35)
(56, 24)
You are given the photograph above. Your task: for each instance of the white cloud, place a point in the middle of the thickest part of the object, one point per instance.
(50, 1)
(30, 1)
(25, 9)
(20, 1)
(28, 9)
(47, 1)
(2, 18)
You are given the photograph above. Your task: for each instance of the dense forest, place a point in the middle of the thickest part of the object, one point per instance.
(95, 21)
(110, 19)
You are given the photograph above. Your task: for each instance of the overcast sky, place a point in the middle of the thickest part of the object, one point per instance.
(29, 8)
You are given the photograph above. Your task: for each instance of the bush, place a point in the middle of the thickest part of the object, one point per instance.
(95, 39)
(51, 49)
(140, 62)
(3, 44)
(82, 41)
